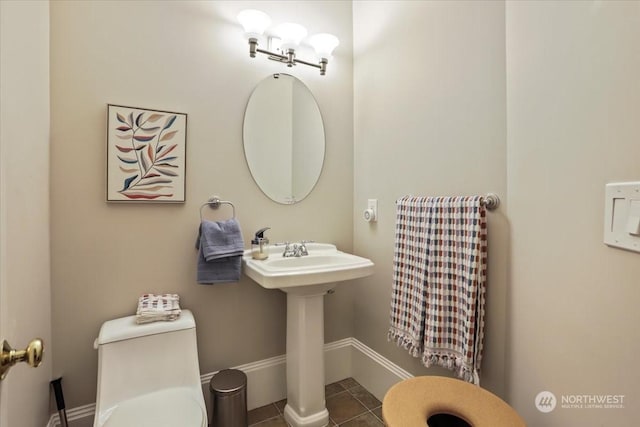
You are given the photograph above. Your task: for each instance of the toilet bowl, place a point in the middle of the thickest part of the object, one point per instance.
(410, 403)
(148, 375)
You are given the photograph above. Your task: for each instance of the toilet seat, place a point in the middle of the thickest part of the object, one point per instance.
(165, 408)
(410, 402)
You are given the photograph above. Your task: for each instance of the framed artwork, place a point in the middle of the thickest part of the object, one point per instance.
(146, 152)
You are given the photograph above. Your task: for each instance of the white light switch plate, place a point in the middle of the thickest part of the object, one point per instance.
(621, 215)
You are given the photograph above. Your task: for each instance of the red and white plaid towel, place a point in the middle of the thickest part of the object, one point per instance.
(439, 281)
(152, 308)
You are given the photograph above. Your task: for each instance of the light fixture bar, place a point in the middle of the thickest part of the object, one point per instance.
(256, 22)
(289, 59)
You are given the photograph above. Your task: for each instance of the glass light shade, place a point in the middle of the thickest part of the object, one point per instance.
(254, 22)
(324, 44)
(291, 35)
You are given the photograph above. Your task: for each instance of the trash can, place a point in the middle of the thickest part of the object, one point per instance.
(229, 398)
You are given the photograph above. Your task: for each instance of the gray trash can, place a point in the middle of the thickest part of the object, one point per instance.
(229, 398)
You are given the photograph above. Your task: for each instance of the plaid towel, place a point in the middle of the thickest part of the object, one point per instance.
(439, 281)
(152, 308)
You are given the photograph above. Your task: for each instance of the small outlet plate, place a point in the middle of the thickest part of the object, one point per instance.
(373, 205)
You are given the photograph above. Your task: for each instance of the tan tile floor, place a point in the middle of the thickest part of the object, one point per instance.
(348, 403)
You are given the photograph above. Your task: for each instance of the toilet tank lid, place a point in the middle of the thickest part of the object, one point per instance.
(126, 328)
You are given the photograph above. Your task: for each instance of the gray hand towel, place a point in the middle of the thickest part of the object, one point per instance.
(220, 247)
(221, 239)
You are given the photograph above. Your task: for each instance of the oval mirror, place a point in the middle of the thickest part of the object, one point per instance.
(283, 138)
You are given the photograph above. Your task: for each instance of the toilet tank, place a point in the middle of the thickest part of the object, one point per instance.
(137, 359)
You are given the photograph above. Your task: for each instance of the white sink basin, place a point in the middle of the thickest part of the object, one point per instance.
(325, 264)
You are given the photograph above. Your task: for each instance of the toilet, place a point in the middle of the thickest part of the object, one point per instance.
(148, 374)
(446, 401)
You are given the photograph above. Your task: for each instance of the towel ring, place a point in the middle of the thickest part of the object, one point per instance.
(214, 203)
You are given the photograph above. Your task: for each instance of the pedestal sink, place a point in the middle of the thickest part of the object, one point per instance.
(306, 280)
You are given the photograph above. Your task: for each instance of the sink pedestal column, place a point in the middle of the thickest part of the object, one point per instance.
(306, 280)
(305, 358)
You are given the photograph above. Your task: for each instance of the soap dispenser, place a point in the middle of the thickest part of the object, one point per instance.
(260, 245)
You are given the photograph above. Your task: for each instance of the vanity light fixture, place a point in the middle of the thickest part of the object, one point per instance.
(289, 36)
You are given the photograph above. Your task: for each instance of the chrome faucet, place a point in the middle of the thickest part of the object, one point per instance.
(296, 250)
(288, 250)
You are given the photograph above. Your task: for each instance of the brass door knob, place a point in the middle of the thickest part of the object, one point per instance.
(10, 356)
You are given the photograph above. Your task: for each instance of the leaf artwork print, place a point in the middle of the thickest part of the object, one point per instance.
(147, 155)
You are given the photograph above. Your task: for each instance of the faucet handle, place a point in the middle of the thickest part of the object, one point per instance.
(303, 243)
(303, 247)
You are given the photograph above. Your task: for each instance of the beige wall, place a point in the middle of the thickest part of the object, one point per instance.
(534, 101)
(573, 108)
(189, 57)
(429, 119)
(539, 102)
(25, 311)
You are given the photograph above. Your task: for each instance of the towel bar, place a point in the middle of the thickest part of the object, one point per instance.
(490, 201)
(214, 202)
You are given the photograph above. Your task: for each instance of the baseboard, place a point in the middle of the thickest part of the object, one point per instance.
(76, 416)
(266, 379)
(373, 371)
